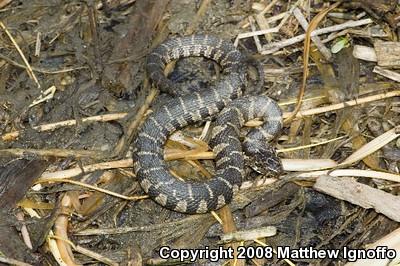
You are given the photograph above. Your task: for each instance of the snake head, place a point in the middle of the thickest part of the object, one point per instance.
(263, 158)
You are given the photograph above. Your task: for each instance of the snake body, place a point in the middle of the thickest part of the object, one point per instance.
(148, 155)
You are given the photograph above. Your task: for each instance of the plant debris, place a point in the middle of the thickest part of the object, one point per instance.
(73, 92)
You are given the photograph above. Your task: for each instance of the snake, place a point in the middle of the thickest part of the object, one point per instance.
(222, 101)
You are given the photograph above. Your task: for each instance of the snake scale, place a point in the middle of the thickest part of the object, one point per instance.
(182, 110)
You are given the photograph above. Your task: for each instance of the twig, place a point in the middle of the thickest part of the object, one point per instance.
(41, 70)
(285, 16)
(387, 73)
(304, 24)
(273, 47)
(4, 3)
(48, 176)
(256, 39)
(60, 231)
(102, 190)
(262, 22)
(337, 106)
(255, 33)
(354, 173)
(24, 230)
(296, 165)
(372, 146)
(95, 255)
(13, 261)
(268, 7)
(288, 14)
(38, 43)
(270, 19)
(72, 122)
(53, 248)
(360, 194)
(28, 67)
(306, 53)
(309, 145)
(134, 124)
(51, 152)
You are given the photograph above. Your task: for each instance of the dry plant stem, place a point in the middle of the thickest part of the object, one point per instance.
(194, 163)
(313, 25)
(216, 217)
(256, 39)
(190, 155)
(95, 255)
(268, 7)
(307, 164)
(146, 228)
(255, 33)
(38, 44)
(274, 47)
(53, 248)
(354, 173)
(288, 165)
(24, 230)
(48, 176)
(135, 123)
(310, 145)
(285, 16)
(52, 153)
(28, 67)
(3, 3)
(60, 231)
(41, 70)
(262, 22)
(11, 261)
(117, 116)
(304, 24)
(105, 191)
(260, 183)
(387, 73)
(268, 20)
(337, 106)
(288, 14)
(229, 226)
(372, 146)
(87, 252)
(66, 123)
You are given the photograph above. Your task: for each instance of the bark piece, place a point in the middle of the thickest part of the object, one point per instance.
(346, 188)
(388, 53)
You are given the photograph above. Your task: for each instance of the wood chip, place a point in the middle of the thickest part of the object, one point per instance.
(388, 53)
(364, 53)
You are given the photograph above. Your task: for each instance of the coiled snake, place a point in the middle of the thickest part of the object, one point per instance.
(148, 155)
